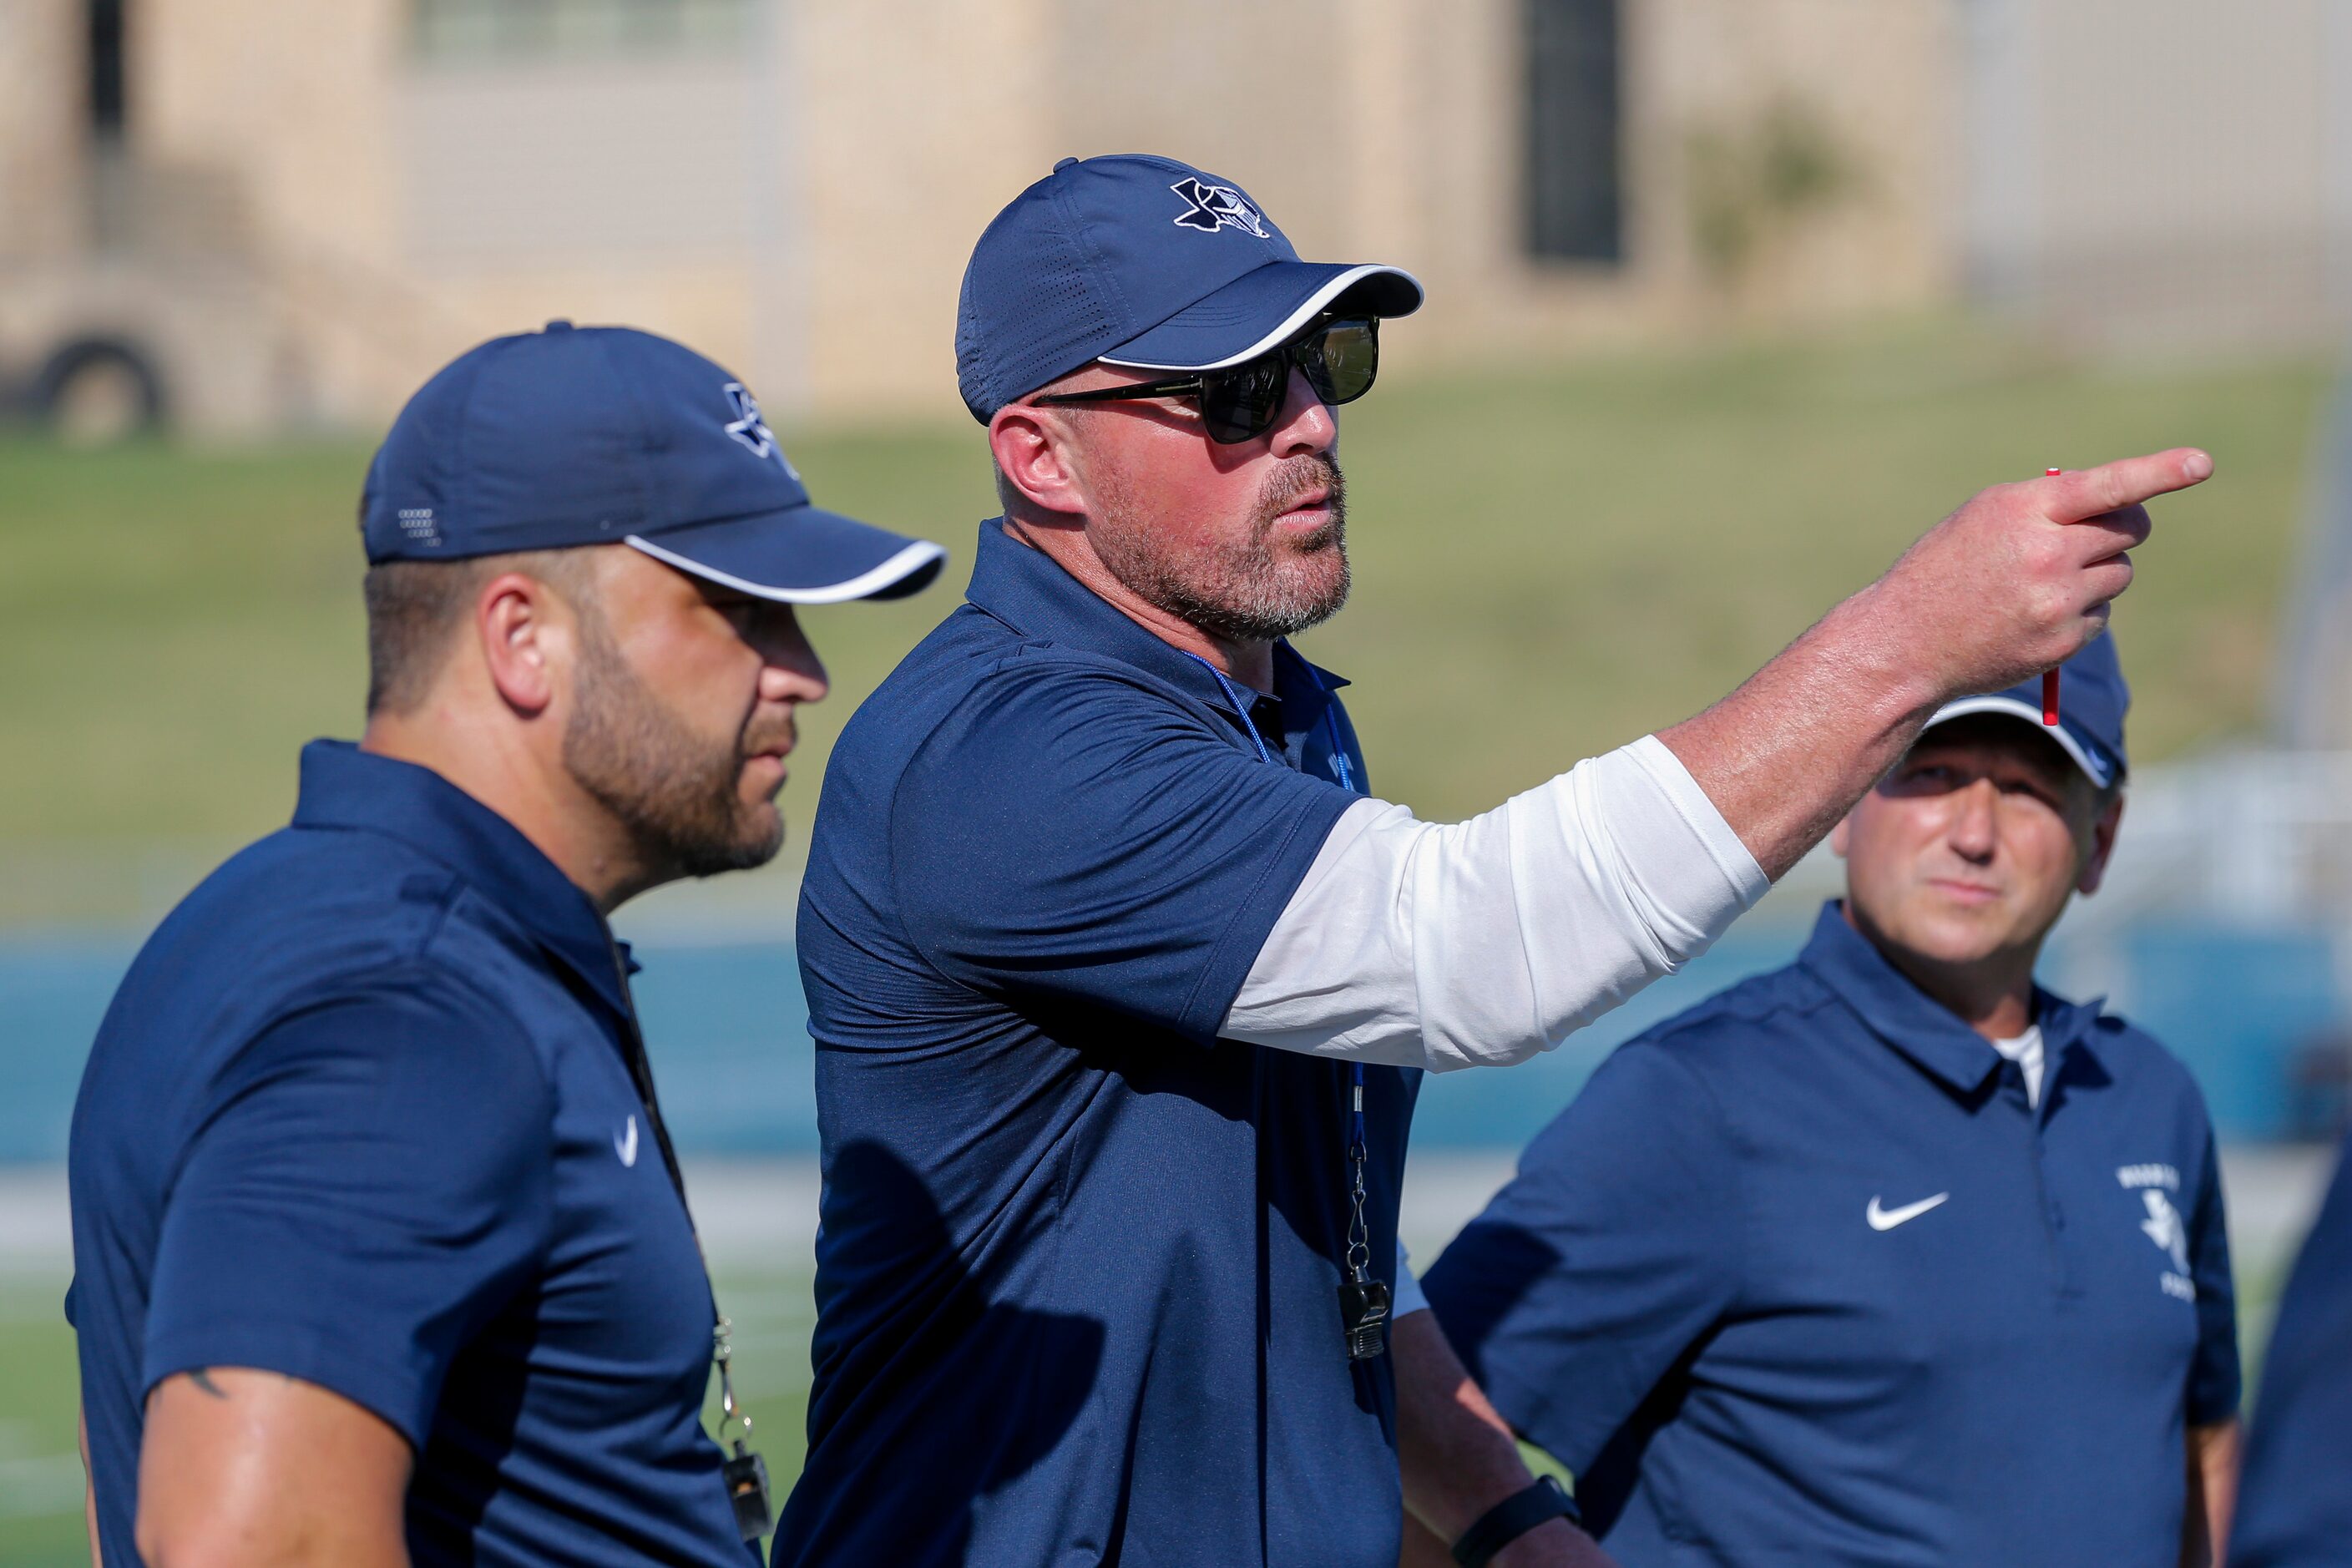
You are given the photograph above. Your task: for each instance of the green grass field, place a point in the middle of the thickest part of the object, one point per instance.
(40, 1471)
(1548, 562)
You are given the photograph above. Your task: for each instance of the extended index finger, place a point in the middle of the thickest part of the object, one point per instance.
(2088, 492)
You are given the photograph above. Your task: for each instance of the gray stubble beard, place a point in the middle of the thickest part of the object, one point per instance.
(1244, 593)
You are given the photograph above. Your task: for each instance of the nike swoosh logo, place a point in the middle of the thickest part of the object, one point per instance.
(626, 1146)
(1887, 1219)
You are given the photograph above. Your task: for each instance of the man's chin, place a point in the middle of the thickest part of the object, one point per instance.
(763, 835)
(1316, 583)
(1958, 939)
(755, 836)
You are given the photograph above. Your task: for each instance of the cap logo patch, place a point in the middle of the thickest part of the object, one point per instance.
(753, 430)
(1212, 207)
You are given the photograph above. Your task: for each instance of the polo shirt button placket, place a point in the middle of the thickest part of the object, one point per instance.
(2010, 1088)
(2069, 1286)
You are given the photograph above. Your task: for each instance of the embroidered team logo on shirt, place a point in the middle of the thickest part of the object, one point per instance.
(1214, 207)
(2156, 1185)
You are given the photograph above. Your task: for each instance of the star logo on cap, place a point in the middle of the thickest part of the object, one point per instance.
(753, 430)
(1212, 207)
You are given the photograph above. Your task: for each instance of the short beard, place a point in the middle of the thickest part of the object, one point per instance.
(1242, 593)
(674, 792)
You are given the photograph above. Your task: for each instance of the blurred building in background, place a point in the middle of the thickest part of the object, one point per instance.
(258, 216)
(253, 216)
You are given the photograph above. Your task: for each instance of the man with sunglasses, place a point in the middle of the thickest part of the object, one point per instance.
(1122, 986)
(1338, 355)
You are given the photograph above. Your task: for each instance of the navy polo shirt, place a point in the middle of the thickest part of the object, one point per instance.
(1077, 1274)
(1800, 1277)
(2294, 1505)
(361, 1113)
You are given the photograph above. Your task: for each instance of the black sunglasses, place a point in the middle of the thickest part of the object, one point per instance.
(1339, 358)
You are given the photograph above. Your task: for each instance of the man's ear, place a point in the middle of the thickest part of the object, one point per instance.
(1032, 456)
(524, 630)
(2103, 845)
(1840, 836)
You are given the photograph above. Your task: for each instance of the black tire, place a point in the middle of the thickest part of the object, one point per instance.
(70, 367)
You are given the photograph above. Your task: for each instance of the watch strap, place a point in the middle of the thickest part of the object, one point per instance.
(1513, 1516)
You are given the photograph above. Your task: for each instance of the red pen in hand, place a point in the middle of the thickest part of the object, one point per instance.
(2050, 676)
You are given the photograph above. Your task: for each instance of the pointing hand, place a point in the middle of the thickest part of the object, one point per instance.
(2022, 576)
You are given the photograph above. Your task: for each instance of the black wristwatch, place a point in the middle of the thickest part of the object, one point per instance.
(1512, 1517)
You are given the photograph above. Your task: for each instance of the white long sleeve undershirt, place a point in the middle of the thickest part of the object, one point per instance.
(1482, 943)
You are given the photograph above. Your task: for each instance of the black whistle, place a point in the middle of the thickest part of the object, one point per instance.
(747, 1487)
(1364, 1318)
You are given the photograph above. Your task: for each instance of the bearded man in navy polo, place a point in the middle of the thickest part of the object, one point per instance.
(381, 1251)
(1122, 982)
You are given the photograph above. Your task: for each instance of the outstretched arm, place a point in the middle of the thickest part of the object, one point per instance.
(1486, 942)
(260, 1471)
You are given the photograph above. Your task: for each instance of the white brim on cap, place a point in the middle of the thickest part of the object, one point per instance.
(2084, 758)
(1261, 311)
(800, 555)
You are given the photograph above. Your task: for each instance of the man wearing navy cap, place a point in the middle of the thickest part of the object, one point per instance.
(1121, 985)
(1890, 1256)
(381, 1252)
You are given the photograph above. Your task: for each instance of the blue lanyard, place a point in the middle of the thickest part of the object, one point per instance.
(1233, 696)
(1342, 766)
(1364, 1302)
(1347, 776)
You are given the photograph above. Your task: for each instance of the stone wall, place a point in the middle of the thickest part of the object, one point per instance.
(41, 116)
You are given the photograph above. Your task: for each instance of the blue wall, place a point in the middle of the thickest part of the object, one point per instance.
(730, 1041)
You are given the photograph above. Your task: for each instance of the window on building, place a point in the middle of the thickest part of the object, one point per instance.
(500, 30)
(107, 98)
(1575, 176)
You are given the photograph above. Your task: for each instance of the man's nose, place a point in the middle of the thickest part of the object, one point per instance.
(1306, 424)
(1973, 833)
(790, 670)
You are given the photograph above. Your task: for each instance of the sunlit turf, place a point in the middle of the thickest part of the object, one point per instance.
(40, 1473)
(40, 1466)
(1549, 562)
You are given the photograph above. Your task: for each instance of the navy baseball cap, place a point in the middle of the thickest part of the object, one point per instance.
(609, 436)
(2091, 702)
(1140, 261)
